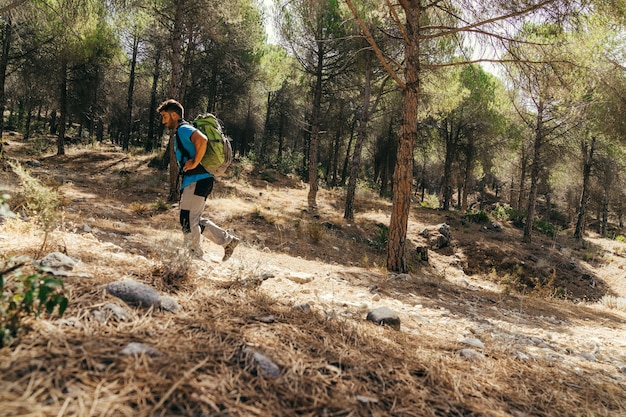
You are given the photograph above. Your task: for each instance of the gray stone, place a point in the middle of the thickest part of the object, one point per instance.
(364, 399)
(437, 236)
(135, 349)
(264, 363)
(471, 341)
(58, 260)
(384, 316)
(134, 293)
(111, 310)
(470, 354)
(169, 304)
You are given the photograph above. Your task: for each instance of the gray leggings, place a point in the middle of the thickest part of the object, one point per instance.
(192, 203)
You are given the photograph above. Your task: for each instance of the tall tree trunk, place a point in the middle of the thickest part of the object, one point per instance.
(534, 177)
(177, 44)
(315, 128)
(62, 104)
(522, 178)
(469, 161)
(151, 143)
(403, 173)
(605, 213)
(587, 151)
(447, 165)
(346, 161)
(4, 63)
(355, 165)
(131, 89)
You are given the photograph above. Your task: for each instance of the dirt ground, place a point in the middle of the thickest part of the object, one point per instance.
(556, 303)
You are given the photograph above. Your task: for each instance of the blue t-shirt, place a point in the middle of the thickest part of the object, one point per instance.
(185, 131)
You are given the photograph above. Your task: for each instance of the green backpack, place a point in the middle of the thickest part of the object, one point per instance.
(219, 152)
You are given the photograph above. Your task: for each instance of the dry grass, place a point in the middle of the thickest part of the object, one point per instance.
(332, 362)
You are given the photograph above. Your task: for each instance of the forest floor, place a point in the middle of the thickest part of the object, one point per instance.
(490, 326)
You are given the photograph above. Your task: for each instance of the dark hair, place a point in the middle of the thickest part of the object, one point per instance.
(172, 105)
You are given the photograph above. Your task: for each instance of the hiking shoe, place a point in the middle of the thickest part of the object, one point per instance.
(230, 248)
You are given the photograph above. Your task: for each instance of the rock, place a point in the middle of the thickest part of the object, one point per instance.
(470, 354)
(115, 311)
(58, 260)
(268, 319)
(589, 356)
(384, 316)
(169, 304)
(134, 293)
(264, 363)
(364, 399)
(437, 236)
(134, 348)
(300, 277)
(471, 341)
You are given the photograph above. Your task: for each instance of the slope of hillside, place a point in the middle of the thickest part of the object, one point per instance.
(489, 326)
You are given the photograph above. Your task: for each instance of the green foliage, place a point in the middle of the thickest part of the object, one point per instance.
(547, 228)
(430, 201)
(620, 238)
(505, 212)
(480, 216)
(381, 238)
(289, 162)
(26, 295)
(42, 201)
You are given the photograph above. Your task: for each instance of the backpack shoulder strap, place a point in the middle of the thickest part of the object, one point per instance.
(181, 148)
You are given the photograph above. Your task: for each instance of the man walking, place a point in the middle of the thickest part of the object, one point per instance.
(196, 184)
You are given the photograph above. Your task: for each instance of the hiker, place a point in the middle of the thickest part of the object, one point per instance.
(196, 183)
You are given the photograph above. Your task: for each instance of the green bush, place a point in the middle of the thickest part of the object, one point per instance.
(505, 212)
(431, 201)
(480, 216)
(382, 237)
(546, 228)
(25, 295)
(620, 238)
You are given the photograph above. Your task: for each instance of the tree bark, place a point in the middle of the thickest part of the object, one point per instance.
(4, 63)
(177, 43)
(587, 150)
(355, 165)
(131, 89)
(62, 104)
(403, 174)
(534, 176)
(315, 129)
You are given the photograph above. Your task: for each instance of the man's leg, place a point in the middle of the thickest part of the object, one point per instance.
(192, 204)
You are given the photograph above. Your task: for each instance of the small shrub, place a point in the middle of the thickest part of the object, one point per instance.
(42, 201)
(546, 228)
(431, 201)
(289, 162)
(174, 261)
(477, 216)
(161, 205)
(316, 232)
(505, 212)
(620, 238)
(24, 295)
(617, 303)
(381, 238)
(139, 208)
